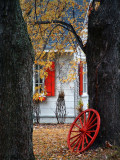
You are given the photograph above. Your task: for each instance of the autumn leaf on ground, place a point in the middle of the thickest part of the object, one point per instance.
(50, 143)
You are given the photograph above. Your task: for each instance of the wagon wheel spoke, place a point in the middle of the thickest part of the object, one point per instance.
(91, 131)
(76, 144)
(89, 135)
(86, 139)
(75, 136)
(83, 142)
(84, 119)
(74, 131)
(90, 119)
(74, 141)
(79, 144)
(81, 122)
(77, 126)
(92, 126)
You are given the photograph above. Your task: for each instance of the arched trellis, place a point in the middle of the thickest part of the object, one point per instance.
(60, 108)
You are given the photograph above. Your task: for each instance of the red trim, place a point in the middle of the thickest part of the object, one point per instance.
(50, 80)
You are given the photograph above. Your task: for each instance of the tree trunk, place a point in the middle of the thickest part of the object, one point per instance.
(103, 59)
(16, 61)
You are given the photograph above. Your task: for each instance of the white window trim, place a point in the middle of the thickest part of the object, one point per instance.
(85, 93)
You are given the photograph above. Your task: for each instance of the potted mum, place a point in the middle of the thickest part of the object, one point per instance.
(80, 106)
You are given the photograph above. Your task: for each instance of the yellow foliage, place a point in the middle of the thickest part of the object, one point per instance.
(42, 34)
(97, 4)
(36, 96)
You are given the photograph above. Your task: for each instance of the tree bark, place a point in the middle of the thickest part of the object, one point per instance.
(16, 60)
(103, 59)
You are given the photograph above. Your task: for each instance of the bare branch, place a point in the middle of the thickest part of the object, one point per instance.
(67, 26)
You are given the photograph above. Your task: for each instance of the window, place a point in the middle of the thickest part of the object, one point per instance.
(85, 78)
(46, 85)
(39, 83)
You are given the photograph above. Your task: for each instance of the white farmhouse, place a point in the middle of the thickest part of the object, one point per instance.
(72, 90)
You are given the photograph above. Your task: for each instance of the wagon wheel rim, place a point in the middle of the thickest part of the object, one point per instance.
(84, 130)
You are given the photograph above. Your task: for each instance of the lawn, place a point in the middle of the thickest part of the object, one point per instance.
(50, 143)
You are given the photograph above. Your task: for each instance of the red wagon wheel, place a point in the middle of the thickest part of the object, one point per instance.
(84, 130)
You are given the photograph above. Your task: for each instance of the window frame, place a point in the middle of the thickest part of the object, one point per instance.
(84, 77)
(85, 81)
(36, 84)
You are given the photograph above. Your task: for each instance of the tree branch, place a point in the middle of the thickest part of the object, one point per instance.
(67, 26)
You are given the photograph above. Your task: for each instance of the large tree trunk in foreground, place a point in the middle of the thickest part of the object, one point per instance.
(103, 59)
(15, 84)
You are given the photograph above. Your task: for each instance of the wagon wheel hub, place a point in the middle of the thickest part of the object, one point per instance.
(83, 130)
